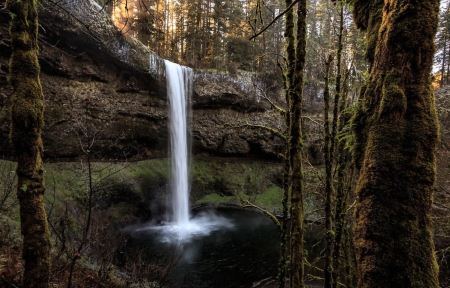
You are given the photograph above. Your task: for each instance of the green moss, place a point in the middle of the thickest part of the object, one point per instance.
(367, 15)
(150, 168)
(214, 199)
(213, 181)
(397, 136)
(203, 171)
(270, 199)
(393, 97)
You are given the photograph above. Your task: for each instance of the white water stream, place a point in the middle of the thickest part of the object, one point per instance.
(179, 87)
(179, 81)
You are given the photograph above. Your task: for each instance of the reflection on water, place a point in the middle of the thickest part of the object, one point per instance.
(221, 249)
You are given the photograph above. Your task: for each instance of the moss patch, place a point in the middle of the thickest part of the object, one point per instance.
(219, 181)
(213, 181)
(270, 198)
(215, 199)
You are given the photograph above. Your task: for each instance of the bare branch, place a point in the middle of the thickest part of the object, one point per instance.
(312, 120)
(275, 106)
(267, 128)
(272, 130)
(248, 204)
(274, 20)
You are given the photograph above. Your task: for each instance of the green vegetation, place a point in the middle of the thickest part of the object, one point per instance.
(225, 181)
(122, 193)
(215, 199)
(270, 198)
(214, 181)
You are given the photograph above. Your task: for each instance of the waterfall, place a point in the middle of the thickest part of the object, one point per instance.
(179, 88)
(179, 84)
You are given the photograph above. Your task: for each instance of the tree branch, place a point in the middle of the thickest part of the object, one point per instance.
(312, 120)
(248, 204)
(274, 20)
(272, 130)
(274, 106)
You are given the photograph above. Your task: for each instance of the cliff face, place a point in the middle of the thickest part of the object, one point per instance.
(97, 81)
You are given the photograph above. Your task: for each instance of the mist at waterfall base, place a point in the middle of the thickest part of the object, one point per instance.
(198, 226)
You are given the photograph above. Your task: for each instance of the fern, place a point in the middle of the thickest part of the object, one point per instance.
(346, 133)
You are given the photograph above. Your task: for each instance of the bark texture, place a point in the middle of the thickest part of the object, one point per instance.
(295, 154)
(328, 181)
(288, 75)
(396, 130)
(26, 126)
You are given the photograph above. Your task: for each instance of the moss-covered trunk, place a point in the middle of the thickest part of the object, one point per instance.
(396, 132)
(288, 80)
(328, 181)
(339, 153)
(295, 154)
(26, 125)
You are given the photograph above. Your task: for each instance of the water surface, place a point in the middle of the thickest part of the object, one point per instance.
(241, 249)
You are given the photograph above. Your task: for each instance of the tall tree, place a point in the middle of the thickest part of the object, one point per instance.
(396, 133)
(27, 114)
(287, 80)
(328, 185)
(442, 43)
(295, 153)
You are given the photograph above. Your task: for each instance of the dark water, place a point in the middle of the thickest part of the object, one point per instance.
(237, 256)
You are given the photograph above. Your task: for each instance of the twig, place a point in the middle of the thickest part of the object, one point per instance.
(312, 120)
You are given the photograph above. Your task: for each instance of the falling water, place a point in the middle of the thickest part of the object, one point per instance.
(179, 87)
(179, 82)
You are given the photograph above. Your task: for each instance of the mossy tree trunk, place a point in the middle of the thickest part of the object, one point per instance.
(340, 158)
(288, 80)
(396, 132)
(295, 154)
(328, 185)
(26, 125)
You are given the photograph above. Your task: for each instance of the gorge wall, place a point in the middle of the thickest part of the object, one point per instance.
(93, 78)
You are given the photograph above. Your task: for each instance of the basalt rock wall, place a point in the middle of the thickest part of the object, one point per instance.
(98, 83)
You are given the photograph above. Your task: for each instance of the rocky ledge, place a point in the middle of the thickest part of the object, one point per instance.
(98, 83)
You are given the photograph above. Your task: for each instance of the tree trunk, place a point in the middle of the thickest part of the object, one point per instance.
(396, 132)
(26, 125)
(287, 80)
(443, 59)
(338, 152)
(329, 236)
(295, 154)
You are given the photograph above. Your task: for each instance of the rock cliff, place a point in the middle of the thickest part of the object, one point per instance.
(95, 81)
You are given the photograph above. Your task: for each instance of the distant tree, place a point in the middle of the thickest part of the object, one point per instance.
(396, 135)
(443, 38)
(27, 120)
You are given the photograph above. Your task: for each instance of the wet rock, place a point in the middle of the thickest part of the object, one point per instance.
(234, 145)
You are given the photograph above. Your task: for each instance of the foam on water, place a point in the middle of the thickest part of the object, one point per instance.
(199, 226)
